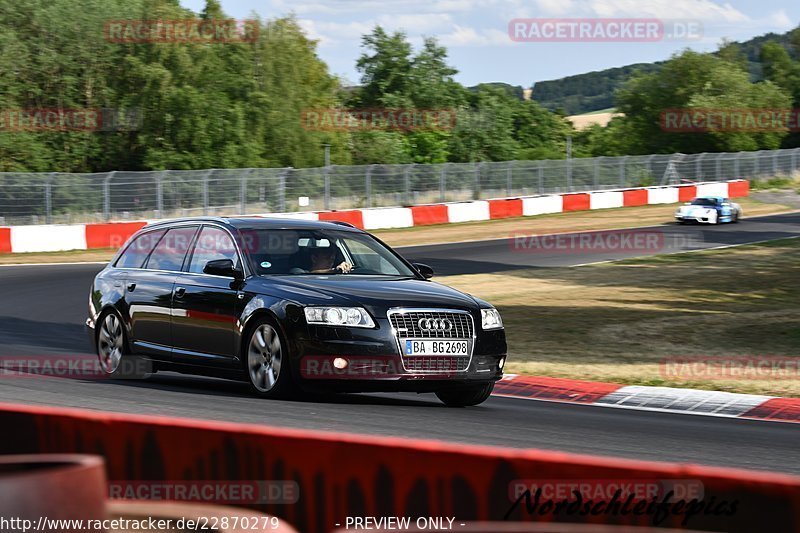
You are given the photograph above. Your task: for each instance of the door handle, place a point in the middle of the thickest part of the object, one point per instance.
(180, 291)
(131, 286)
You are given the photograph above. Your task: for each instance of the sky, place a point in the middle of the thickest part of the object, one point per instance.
(476, 32)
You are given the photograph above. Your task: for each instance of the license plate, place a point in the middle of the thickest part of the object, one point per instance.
(436, 347)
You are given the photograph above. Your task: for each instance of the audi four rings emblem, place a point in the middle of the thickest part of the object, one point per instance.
(435, 324)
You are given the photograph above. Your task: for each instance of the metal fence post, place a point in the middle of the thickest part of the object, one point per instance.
(205, 190)
(160, 191)
(718, 169)
(107, 195)
(597, 162)
(476, 192)
(756, 166)
(243, 191)
(794, 159)
(541, 177)
(327, 198)
(509, 178)
(368, 185)
(622, 171)
(775, 163)
(48, 198)
(442, 180)
(282, 188)
(569, 174)
(737, 170)
(407, 183)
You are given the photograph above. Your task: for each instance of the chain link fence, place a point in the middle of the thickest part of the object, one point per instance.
(38, 198)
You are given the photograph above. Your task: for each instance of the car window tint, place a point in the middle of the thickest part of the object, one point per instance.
(212, 244)
(138, 250)
(170, 251)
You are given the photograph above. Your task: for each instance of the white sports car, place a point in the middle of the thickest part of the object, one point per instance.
(709, 210)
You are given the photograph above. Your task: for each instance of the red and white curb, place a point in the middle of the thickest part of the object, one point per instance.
(56, 238)
(662, 399)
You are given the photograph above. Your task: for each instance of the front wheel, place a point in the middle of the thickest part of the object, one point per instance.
(267, 361)
(466, 396)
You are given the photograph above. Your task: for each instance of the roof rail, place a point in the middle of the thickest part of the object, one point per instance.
(342, 223)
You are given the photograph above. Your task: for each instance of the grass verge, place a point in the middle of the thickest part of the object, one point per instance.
(620, 321)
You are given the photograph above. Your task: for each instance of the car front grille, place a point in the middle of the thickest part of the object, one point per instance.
(408, 324)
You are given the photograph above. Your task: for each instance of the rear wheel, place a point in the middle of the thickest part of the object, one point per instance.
(466, 396)
(112, 350)
(267, 361)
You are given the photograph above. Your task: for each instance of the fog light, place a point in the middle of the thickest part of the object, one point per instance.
(340, 363)
(501, 363)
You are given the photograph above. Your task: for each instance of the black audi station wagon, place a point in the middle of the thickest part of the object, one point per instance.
(291, 305)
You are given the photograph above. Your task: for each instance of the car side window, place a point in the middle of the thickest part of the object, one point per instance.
(171, 250)
(138, 250)
(212, 244)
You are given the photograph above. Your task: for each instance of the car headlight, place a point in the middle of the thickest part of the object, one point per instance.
(490, 319)
(355, 317)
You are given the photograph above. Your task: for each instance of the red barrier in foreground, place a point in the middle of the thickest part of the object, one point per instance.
(341, 475)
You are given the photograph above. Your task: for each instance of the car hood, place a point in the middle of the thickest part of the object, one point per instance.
(376, 295)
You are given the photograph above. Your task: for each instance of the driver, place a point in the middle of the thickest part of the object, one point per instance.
(322, 261)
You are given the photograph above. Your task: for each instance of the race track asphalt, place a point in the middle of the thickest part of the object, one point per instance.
(42, 309)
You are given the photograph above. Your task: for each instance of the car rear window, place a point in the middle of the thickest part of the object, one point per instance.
(138, 250)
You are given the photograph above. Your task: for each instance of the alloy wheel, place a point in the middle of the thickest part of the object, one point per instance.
(109, 343)
(264, 356)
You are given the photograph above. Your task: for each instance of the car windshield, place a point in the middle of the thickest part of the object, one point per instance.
(704, 201)
(304, 252)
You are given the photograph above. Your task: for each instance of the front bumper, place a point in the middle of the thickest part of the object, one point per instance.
(369, 360)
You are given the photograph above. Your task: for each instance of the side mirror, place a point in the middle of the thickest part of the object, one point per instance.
(425, 270)
(222, 267)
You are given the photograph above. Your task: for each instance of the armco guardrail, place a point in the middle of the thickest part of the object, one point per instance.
(50, 238)
(341, 475)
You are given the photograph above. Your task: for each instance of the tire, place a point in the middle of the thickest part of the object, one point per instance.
(111, 346)
(265, 357)
(466, 396)
(735, 217)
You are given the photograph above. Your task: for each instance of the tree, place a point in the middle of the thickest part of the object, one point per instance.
(693, 80)
(385, 69)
